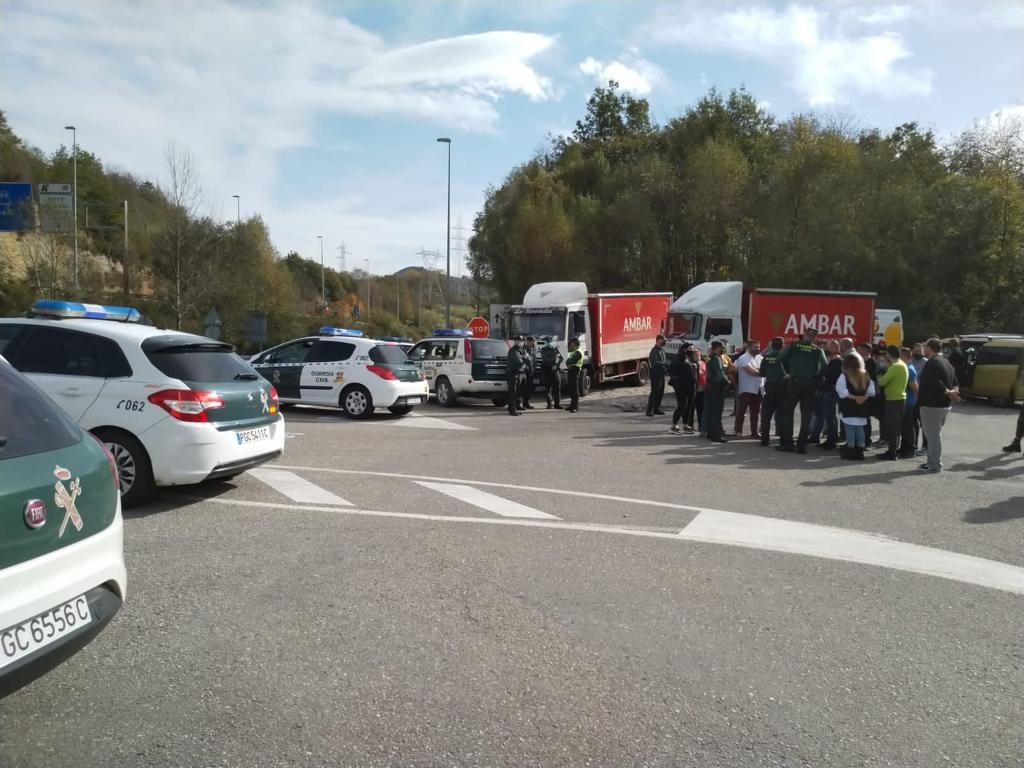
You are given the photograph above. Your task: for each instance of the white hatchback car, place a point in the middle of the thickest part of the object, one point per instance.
(173, 408)
(458, 365)
(341, 368)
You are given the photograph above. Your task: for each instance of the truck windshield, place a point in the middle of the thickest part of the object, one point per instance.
(539, 323)
(685, 324)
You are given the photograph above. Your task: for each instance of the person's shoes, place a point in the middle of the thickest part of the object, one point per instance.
(929, 468)
(718, 440)
(846, 453)
(1013, 447)
(887, 456)
(676, 430)
(813, 440)
(650, 414)
(527, 406)
(921, 452)
(786, 448)
(573, 410)
(659, 413)
(558, 407)
(905, 454)
(549, 405)
(801, 449)
(868, 444)
(858, 454)
(882, 444)
(827, 445)
(689, 430)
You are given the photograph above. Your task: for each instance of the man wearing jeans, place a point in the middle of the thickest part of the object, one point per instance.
(937, 390)
(894, 383)
(748, 387)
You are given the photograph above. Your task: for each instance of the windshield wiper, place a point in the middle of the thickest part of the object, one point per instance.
(246, 376)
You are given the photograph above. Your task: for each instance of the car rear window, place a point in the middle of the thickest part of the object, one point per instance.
(203, 364)
(29, 421)
(389, 354)
(489, 348)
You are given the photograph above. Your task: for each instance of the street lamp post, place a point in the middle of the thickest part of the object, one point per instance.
(448, 241)
(323, 283)
(238, 210)
(74, 189)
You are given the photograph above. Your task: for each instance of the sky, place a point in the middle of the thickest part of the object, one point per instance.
(323, 115)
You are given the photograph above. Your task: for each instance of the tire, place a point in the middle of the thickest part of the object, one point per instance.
(642, 375)
(134, 469)
(356, 402)
(586, 381)
(499, 402)
(444, 393)
(400, 410)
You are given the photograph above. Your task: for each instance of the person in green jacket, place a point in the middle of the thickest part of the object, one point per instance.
(894, 383)
(805, 363)
(574, 368)
(775, 376)
(714, 394)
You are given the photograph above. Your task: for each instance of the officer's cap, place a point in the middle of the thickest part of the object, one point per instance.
(529, 338)
(518, 338)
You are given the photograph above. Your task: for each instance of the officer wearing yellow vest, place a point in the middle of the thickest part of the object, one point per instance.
(574, 367)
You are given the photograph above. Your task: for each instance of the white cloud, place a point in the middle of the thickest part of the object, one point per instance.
(883, 15)
(240, 84)
(639, 76)
(825, 63)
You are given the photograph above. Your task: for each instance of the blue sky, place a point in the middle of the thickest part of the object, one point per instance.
(323, 115)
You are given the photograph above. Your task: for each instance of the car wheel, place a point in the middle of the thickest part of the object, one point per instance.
(356, 402)
(444, 393)
(134, 470)
(499, 402)
(401, 410)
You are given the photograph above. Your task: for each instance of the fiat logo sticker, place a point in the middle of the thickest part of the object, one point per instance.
(35, 513)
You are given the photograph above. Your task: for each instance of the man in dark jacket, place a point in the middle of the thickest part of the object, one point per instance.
(937, 390)
(775, 375)
(527, 382)
(658, 363)
(551, 374)
(714, 393)
(805, 362)
(514, 374)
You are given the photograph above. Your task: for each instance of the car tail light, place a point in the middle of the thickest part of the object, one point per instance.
(275, 403)
(110, 460)
(469, 350)
(187, 404)
(384, 373)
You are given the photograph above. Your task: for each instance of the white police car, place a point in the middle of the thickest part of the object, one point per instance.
(341, 368)
(458, 365)
(173, 408)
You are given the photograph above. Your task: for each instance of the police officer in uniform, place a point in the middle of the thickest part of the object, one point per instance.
(774, 374)
(551, 375)
(514, 374)
(574, 366)
(805, 362)
(527, 383)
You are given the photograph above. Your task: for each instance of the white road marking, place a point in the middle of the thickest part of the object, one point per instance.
(429, 422)
(488, 501)
(730, 528)
(296, 488)
(293, 434)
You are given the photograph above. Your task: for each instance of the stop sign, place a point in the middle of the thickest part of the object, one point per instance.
(479, 327)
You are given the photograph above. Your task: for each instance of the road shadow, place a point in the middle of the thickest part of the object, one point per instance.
(179, 497)
(1002, 466)
(1000, 512)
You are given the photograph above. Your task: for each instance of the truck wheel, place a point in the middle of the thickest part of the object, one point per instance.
(444, 393)
(586, 380)
(642, 375)
(134, 471)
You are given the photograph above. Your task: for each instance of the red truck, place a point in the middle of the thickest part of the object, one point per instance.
(730, 313)
(616, 330)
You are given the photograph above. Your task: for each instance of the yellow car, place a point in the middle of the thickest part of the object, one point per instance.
(994, 367)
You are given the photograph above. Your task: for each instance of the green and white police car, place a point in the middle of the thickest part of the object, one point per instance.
(341, 368)
(458, 365)
(173, 408)
(62, 574)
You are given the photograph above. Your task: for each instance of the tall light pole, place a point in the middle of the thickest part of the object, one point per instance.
(238, 210)
(323, 283)
(74, 189)
(448, 241)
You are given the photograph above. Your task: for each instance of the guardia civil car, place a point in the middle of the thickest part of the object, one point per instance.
(173, 408)
(458, 365)
(341, 368)
(62, 575)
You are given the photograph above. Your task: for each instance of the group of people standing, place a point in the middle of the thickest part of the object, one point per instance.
(838, 387)
(523, 359)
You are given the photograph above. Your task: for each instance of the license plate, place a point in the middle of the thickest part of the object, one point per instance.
(413, 400)
(38, 632)
(253, 435)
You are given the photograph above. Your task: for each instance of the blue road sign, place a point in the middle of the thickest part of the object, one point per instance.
(15, 206)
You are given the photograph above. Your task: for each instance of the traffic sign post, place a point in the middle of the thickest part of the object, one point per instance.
(479, 327)
(56, 207)
(16, 213)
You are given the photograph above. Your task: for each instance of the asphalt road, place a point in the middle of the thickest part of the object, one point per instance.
(462, 588)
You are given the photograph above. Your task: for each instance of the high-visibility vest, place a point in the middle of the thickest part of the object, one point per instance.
(575, 360)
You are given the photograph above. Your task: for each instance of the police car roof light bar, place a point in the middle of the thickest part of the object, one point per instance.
(328, 331)
(68, 310)
(452, 332)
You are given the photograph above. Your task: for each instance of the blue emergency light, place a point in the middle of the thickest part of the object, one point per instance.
(396, 339)
(75, 310)
(326, 331)
(452, 332)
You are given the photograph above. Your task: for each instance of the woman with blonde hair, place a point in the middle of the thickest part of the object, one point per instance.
(854, 389)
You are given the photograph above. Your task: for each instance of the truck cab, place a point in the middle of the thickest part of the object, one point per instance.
(555, 310)
(705, 313)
